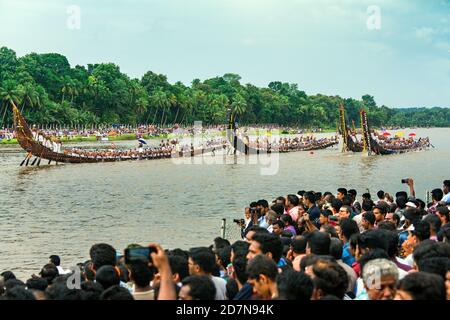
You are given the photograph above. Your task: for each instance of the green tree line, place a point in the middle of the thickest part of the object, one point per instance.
(49, 91)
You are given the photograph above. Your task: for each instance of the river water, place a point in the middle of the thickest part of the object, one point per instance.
(65, 209)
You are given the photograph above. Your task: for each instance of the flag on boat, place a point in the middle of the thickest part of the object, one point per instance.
(142, 141)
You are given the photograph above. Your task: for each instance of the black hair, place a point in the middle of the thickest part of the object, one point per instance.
(204, 258)
(299, 245)
(221, 243)
(392, 239)
(270, 243)
(386, 225)
(366, 196)
(446, 183)
(423, 286)
(55, 260)
(336, 204)
(180, 252)
(262, 203)
(369, 217)
(12, 283)
(380, 194)
(372, 239)
(429, 249)
(383, 207)
(326, 213)
(239, 267)
(434, 222)
(443, 211)
(279, 223)
(352, 192)
(240, 248)
(437, 194)
(60, 291)
(348, 227)
(257, 229)
(367, 205)
(19, 293)
(401, 201)
(262, 265)
(91, 290)
(310, 197)
(287, 218)
(37, 284)
(224, 255)
(293, 199)
(307, 261)
(330, 230)
(179, 265)
(421, 230)
(107, 276)
(342, 190)
(7, 275)
(200, 287)
(278, 208)
(116, 293)
(141, 273)
(330, 278)
(102, 254)
(347, 200)
(49, 272)
(336, 248)
(253, 204)
(373, 254)
(319, 243)
(294, 286)
(436, 265)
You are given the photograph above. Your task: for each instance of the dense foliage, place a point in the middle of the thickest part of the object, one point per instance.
(49, 91)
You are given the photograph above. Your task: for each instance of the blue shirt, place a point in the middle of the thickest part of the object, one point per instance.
(347, 257)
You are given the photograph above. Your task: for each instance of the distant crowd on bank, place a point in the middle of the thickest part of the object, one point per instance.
(304, 246)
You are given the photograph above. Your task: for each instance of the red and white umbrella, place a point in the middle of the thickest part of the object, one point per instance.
(412, 134)
(386, 134)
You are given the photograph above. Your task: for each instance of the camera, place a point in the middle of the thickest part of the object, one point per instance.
(405, 180)
(138, 254)
(239, 221)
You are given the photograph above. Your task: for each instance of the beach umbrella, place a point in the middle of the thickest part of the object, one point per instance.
(142, 141)
(412, 134)
(400, 134)
(386, 134)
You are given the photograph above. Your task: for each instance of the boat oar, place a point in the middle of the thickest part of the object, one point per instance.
(28, 160)
(34, 161)
(23, 161)
(39, 161)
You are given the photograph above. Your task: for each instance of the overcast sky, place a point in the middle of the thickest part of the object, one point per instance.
(323, 45)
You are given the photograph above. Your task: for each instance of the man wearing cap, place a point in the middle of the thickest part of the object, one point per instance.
(446, 190)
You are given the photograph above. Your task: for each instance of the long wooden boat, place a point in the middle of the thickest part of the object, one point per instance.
(373, 146)
(35, 148)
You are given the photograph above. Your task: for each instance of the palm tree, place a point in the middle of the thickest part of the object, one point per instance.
(10, 93)
(30, 96)
(239, 105)
(159, 100)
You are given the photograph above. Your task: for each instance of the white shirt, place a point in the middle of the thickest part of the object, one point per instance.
(221, 288)
(446, 198)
